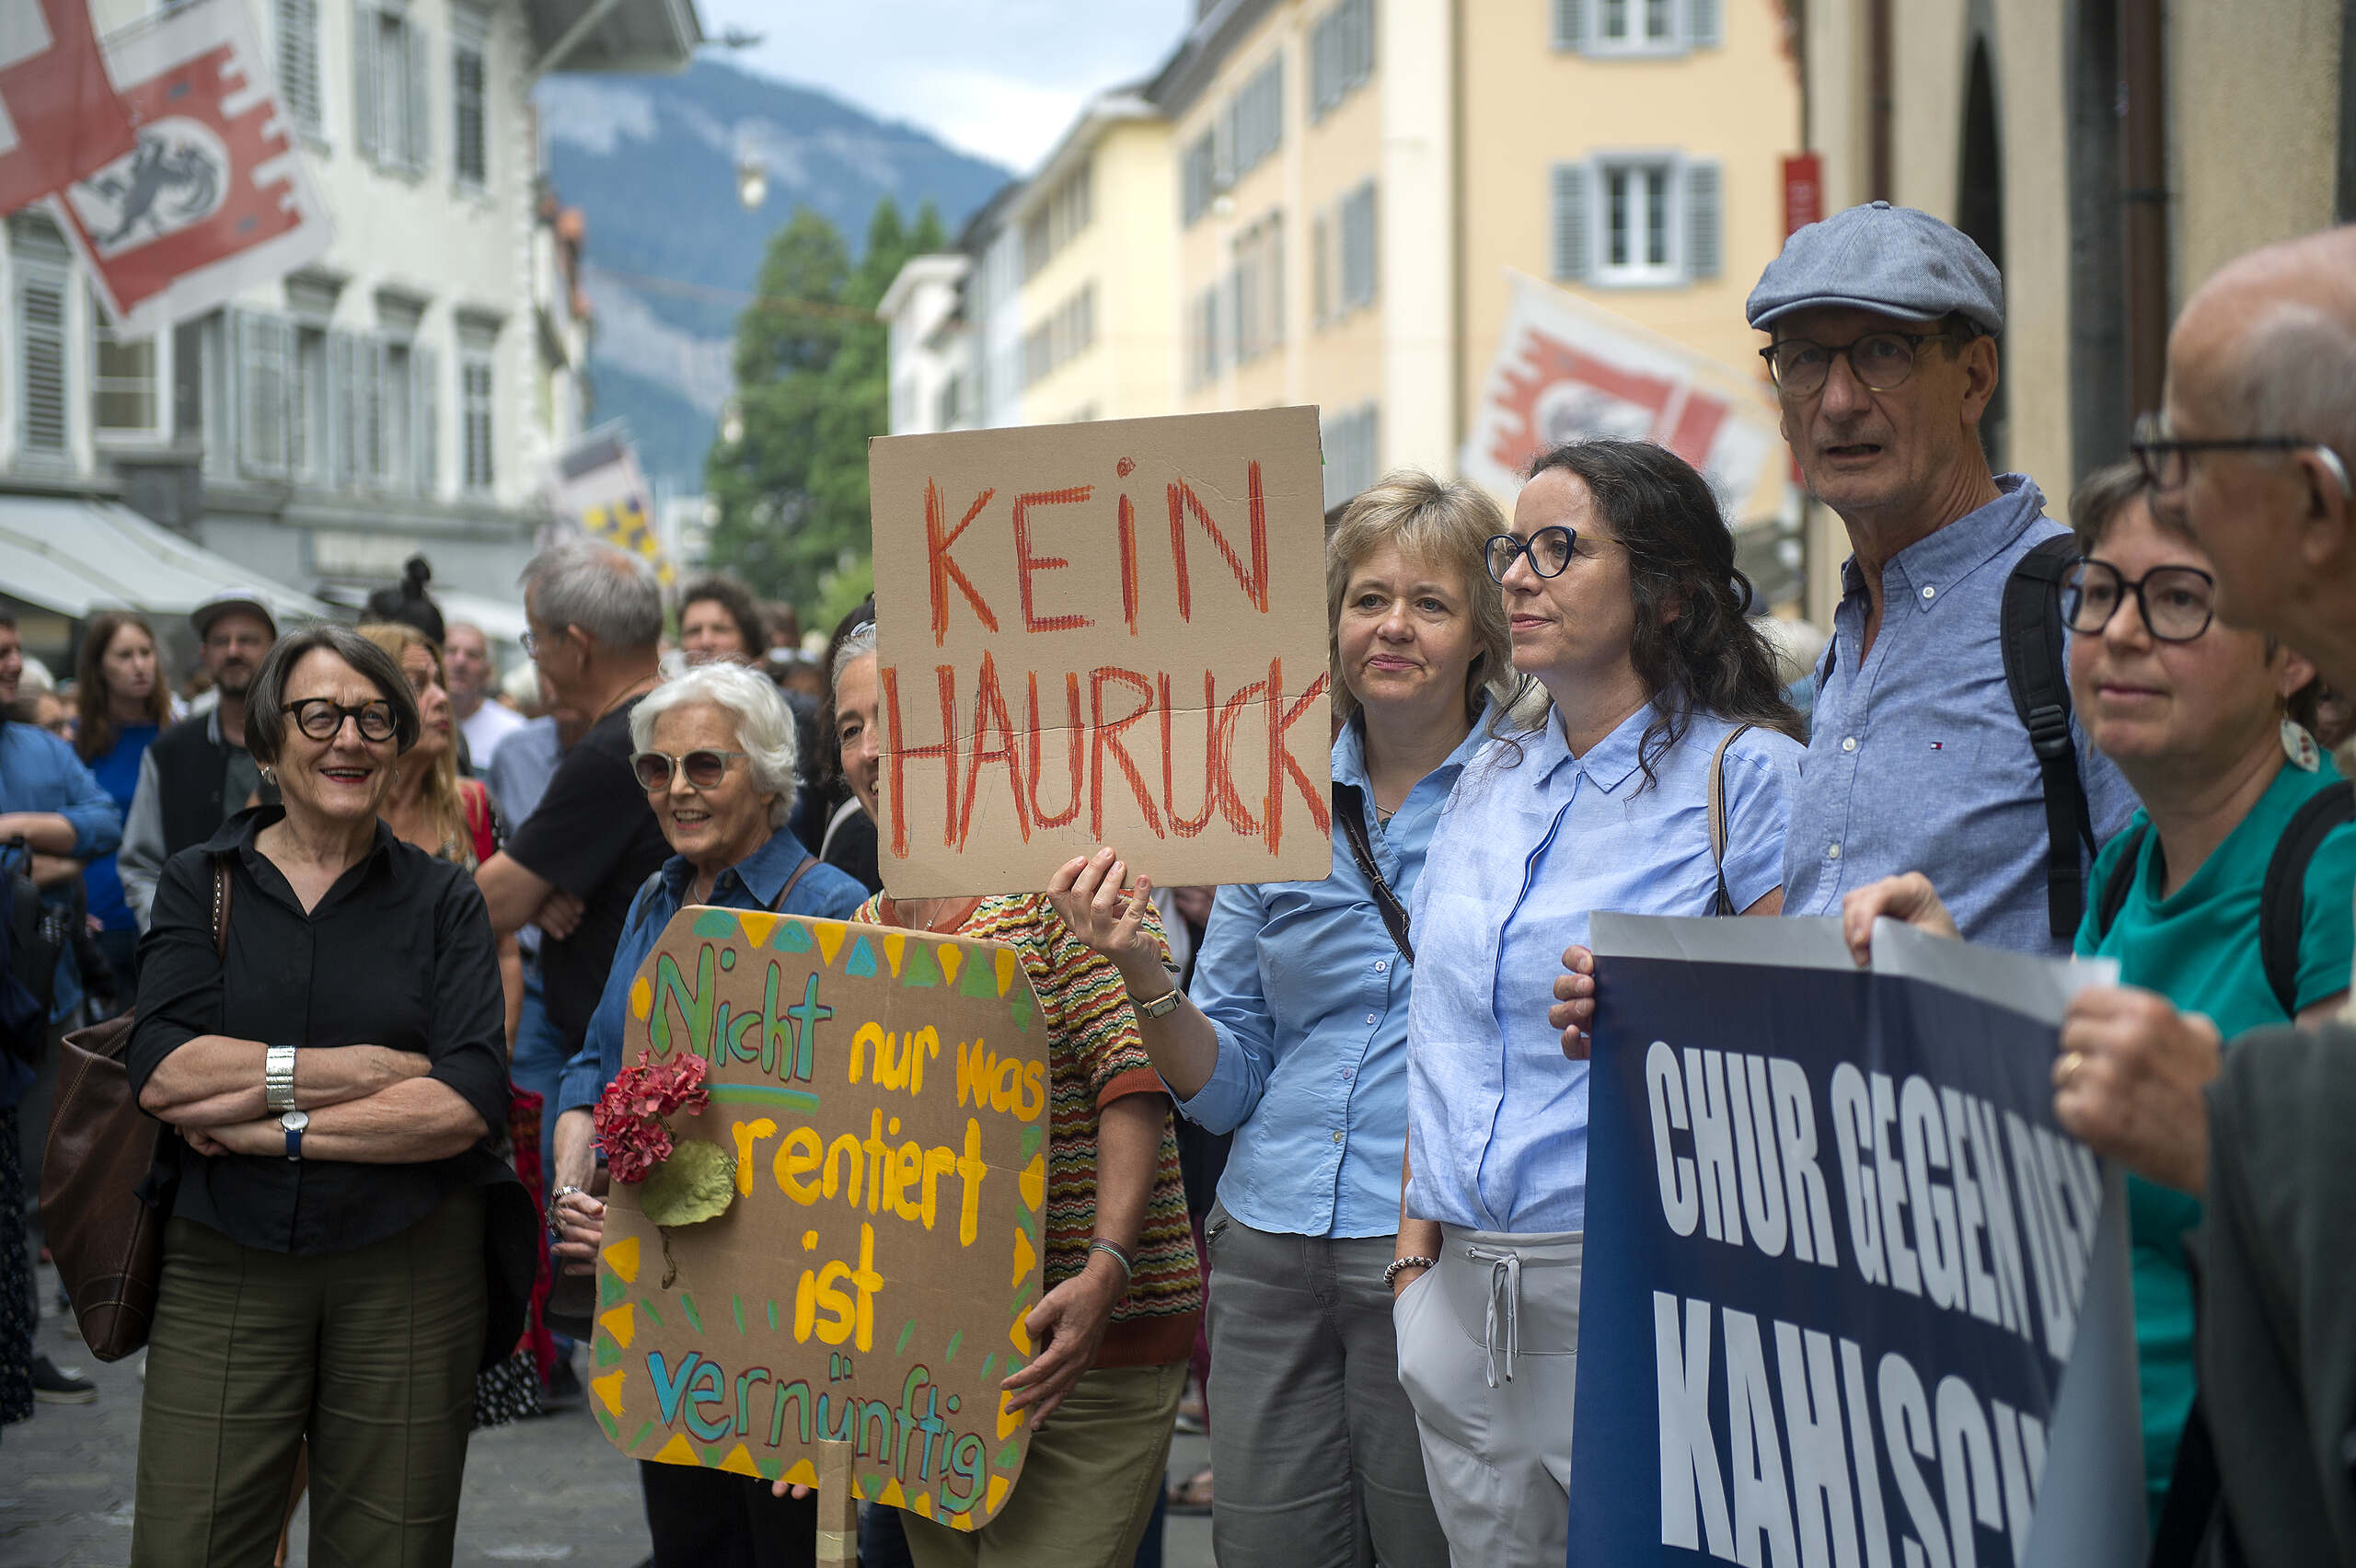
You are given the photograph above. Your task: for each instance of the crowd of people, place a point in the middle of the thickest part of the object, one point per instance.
(1317, 1149)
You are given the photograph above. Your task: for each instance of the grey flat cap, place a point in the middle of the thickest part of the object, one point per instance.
(1896, 261)
(246, 601)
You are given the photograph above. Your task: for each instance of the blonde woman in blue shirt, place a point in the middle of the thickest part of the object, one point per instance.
(1296, 1039)
(1624, 603)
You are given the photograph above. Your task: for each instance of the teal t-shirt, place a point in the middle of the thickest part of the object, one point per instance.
(2198, 947)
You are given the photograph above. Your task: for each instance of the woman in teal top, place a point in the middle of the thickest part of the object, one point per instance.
(2206, 722)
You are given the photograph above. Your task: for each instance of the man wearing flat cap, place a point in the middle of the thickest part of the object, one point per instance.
(1884, 322)
(198, 774)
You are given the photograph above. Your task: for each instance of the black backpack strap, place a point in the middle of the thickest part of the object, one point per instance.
(2038, 679)
(2283, 906)
(1349, 814)
(2121, 881)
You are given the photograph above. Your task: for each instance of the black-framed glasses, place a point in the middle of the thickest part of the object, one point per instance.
(1882, 361)
(2177, 601)
(323, 721)
(1549, 550)
(2166, 461)
(704, 768)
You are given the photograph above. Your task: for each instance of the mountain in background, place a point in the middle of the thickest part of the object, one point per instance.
(650, 161)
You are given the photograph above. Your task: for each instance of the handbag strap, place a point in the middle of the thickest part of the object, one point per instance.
(799, 873)
(221, 891)
(1350, 810)
(1724, 902)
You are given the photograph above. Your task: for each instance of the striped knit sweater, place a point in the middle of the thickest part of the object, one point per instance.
(1094, 1058)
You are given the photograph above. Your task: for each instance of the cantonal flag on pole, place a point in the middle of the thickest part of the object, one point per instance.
(214, 198)
(59, 116)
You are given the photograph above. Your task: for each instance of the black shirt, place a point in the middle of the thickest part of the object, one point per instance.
(593, 835)
(400, 953)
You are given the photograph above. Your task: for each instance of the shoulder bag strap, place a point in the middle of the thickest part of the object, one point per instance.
(2029, 624)
(1349, 812)
(2282, 905)
(800, 871)
(1725, 902)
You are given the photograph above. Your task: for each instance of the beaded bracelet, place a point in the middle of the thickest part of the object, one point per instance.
(1410, 1263)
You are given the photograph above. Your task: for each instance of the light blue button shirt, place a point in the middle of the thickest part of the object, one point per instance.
(1308, 997)
(1916, 759)
(1524, 853)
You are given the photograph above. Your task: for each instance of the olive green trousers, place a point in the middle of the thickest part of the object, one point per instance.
(370, 1355)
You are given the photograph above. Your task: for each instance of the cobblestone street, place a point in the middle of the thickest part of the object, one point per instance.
(548, 1490)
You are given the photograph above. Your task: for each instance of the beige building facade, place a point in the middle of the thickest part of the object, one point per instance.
(1358, 179)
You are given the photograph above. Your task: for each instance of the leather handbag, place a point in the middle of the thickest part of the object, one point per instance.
(109, 1244)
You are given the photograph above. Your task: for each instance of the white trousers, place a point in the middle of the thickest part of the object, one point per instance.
(1489, 1356)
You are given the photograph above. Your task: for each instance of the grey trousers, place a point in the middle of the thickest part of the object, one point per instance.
(1489, 1356)
(1312, 1442)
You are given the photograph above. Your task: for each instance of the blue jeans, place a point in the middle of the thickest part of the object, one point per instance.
(540, 1055)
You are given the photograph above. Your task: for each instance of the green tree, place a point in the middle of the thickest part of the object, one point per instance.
(812, 387)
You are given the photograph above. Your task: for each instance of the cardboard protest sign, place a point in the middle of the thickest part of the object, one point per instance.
(1104, 633)
(1847, 1282)
(885, 1094)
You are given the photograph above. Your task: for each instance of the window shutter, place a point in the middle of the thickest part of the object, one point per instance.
(340, 464)
(425, 424)
(420, 152)
(298, 61)
(1570, 23)
(365, 118)
(1571, 262)
(1701, 222)
(369, 359)
(40, 314)
(262, 393)
(1701, 23)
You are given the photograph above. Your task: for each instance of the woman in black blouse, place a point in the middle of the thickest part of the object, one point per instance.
(332, 1080)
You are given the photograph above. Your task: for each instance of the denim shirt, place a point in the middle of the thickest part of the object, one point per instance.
(1524, 852)
(1308, 997)
(752, 882)
(39, 772)
(1917, 761)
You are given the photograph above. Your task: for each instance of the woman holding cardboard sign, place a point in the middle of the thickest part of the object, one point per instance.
(1296, 1039)
(1122, 1294)
(1657, 780)
(715, 751)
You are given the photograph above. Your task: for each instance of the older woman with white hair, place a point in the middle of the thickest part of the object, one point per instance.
(714, 750)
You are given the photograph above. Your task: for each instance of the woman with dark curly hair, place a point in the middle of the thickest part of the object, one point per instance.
(1663, 724)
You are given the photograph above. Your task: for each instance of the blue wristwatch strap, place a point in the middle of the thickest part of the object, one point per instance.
(294, 1141)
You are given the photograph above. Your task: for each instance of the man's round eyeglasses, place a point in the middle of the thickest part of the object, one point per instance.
(1549, 550)
(1882, 361)
(2177, 601)
(323, 721)
(705, 768)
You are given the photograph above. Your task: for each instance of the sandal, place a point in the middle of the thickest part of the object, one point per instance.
(1192, 1495)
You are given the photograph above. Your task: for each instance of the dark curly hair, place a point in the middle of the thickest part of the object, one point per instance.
(737, 600)
(1694, 646)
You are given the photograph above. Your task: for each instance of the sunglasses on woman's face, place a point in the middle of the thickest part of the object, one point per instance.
(704, 768)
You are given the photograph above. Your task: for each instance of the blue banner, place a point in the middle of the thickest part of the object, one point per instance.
(1842, 1264)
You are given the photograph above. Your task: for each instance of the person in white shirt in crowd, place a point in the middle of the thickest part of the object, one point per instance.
(482, 718)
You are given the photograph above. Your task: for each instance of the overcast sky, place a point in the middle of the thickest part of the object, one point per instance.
(1000, 78)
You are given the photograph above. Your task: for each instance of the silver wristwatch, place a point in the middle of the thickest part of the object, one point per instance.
(1161, 1006)
(278, 1078)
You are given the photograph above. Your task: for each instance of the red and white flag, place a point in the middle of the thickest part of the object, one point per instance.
(214, 198)
(59, 116)
(1567, 368)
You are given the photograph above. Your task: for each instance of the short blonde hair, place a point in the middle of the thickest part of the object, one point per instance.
(1446, 524)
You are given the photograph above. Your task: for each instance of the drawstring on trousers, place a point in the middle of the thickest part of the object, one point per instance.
(1505, 1305)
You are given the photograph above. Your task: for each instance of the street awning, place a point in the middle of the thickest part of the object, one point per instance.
(501, 620)
(76, 556)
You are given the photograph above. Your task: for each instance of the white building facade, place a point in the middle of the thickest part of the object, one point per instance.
(404, 394)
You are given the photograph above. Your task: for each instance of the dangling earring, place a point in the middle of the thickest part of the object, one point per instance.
(267, 777)
(2300, 746)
